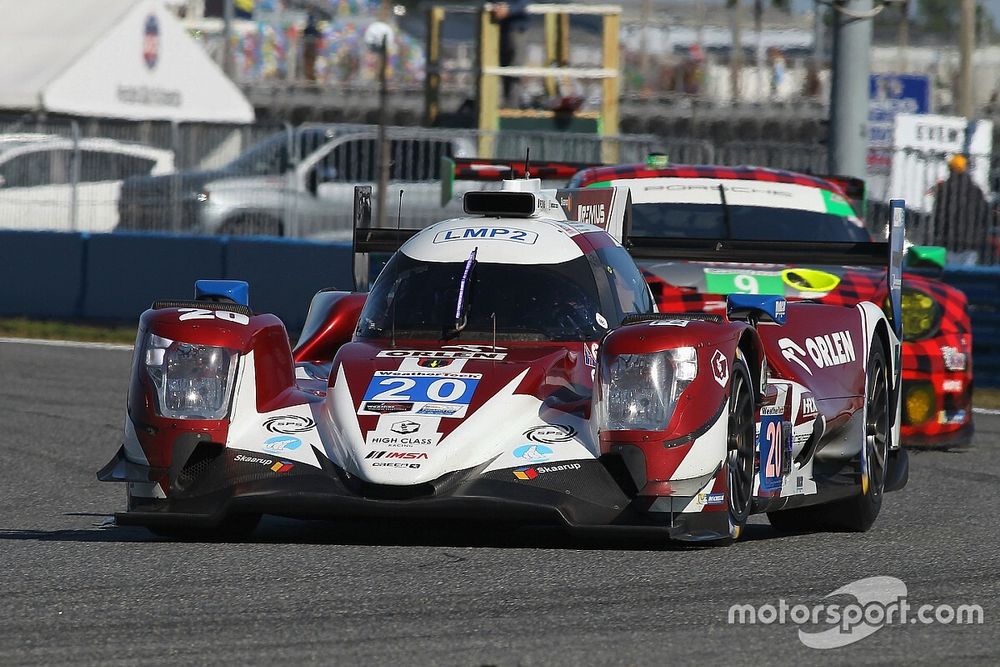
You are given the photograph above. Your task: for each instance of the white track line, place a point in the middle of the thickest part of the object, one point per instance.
(67, 343)
(985, 411)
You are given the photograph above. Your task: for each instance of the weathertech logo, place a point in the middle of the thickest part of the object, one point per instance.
(531, 472)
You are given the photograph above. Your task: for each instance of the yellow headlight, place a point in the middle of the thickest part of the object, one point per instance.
(919, 404)
(920, 314)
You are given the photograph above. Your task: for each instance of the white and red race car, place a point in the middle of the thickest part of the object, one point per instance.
(511, 365)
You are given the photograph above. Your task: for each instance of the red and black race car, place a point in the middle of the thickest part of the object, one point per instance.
(753, 203)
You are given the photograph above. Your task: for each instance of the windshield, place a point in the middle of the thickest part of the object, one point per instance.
(547, 302)
(748, 223)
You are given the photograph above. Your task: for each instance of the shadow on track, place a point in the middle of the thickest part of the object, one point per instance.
(278, 530)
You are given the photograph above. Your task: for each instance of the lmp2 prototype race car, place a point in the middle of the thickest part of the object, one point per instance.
(752, 203)
(512, 366)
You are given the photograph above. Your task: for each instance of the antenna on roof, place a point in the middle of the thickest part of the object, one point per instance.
(399, 214)
(527, 162)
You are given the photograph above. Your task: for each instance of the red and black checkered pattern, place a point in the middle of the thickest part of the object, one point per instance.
(629, 171)
(922, 361)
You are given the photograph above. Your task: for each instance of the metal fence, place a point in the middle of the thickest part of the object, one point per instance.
(275, 179)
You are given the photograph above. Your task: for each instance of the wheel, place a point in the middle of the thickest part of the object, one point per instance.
(741, 442)
(234, 528)
(857, 513)
(252, 224)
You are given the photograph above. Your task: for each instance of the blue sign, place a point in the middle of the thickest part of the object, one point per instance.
(892, 94)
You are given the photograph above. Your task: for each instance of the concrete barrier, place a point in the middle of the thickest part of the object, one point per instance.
(41, 274)
(127, 272)
(284, 274)
(982, 288)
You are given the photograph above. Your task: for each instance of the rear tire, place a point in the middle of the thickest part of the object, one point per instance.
(858, 513)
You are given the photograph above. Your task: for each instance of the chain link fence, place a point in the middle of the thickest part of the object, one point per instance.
(275, 179)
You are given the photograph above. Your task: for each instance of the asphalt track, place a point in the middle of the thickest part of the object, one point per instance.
(75, 590)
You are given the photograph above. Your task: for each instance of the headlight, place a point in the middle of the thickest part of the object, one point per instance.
(921, 314)
(640, 391)
(919, 404)
(191, 381)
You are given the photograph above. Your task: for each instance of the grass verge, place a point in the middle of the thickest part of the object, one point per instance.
(986, 398)
(21, 327)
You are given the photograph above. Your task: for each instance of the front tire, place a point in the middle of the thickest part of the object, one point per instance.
(858, 513)
(741, 441)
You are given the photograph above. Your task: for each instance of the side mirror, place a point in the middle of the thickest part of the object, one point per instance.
(926, 257)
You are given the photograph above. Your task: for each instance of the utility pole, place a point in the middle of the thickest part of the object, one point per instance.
(852, 43)
(736, 54)
(903, 34)
(966, 45)
(227, 36)
(763, 90)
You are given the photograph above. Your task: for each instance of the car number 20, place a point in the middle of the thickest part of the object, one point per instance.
(398, 389)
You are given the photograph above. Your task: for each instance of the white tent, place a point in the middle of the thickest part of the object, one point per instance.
(110, 58)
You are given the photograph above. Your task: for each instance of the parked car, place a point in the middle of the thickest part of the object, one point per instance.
(53, 182)
(299, 184)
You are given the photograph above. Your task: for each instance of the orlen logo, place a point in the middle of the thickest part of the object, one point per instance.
(834, 349)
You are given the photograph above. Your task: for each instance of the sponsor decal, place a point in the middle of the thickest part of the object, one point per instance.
(386, 454)
(952, 386)
(834, 349)
(601, 320)
(550, 433)
(711, 498)
(593, 214)
(487, 233)
(956, 417)
(289, 424)
(434, 363)
(954, 360)
(439, 410)
(240, 458)
(720, 368)
(531, 472)
(376, 439)
(590, 354)
(151, 41)
(405, 427)
(282, 443)
(772, 410)
(282, 466)
(780, 308)
(394, 464)
(428, 355)
(668, 323)
(532, 452)
(809, 409)
(799, 482)
(203, 314)
(384, 408)
(771, 450)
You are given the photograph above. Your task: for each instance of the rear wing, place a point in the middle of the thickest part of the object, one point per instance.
(880, 254)
(483, 169)
(607, 208)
